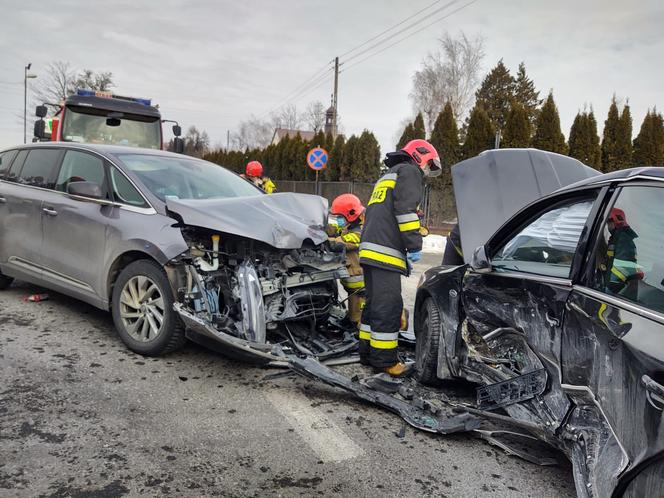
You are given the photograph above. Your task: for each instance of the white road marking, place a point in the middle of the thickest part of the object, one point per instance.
(322, 435)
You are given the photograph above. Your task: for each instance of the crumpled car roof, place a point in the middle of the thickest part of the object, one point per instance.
(282, 220)
(492, 187)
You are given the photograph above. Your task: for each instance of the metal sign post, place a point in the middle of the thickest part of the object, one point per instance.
(317, 160)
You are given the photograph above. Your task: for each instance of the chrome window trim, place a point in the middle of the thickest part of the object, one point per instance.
(620, 303)
(545, 279)
(127, 207)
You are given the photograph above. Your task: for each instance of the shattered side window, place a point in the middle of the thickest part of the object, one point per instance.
(547, 245)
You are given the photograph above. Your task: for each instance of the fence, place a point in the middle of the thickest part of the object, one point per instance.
(438, 205)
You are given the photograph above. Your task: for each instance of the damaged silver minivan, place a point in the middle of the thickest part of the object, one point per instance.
(176, 248)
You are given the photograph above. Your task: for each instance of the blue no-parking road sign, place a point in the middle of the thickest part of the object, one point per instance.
(317, 158)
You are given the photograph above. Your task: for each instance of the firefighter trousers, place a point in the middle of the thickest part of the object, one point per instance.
(381, 317)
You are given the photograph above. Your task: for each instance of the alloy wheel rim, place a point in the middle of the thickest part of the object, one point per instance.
(142, 308)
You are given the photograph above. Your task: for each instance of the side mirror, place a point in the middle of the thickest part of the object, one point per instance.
(41, 111)
(178, 145)
(40, 130)
(177, 131)
(480, 261)
(91, 190)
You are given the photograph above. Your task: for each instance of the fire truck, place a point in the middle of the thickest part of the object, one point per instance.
(101, 117)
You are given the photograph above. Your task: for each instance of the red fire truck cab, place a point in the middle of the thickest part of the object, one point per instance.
(100, 117)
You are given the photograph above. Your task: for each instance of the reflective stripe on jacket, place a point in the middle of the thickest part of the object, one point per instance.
(392, 226)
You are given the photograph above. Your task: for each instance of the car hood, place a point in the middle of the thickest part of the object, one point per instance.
(283, 220)
(492, 187)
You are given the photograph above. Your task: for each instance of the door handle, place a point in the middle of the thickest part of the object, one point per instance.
(654, 392)
(50, 211)
(3, 200)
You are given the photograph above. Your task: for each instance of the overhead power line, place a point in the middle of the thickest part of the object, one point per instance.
(408, 27)
(389, 29)
(301, 90)
(383, 49)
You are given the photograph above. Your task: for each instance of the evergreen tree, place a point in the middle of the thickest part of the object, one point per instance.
(617, 139)
(418, 128)
(583, 140)
(445, 138)
(333, 169)
(526, 94)
(649, 143)
(480, 134)
(407, 135)
(547, 129)
(517, 130)
(347, 159)
(366, 158)
(624, 150)
(496, 93)
(596, 151)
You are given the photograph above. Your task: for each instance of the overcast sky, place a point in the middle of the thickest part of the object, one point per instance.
(213, 63)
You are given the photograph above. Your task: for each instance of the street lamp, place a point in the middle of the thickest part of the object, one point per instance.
(25, 99)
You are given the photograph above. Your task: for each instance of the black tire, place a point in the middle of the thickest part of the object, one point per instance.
(5, 281)
(427, 330)
(170, 336)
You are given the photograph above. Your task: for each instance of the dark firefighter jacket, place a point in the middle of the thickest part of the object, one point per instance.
(392, 226)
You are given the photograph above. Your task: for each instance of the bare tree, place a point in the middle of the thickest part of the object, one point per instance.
(287, 117)
(314, 115)
(196, 143)
(61, 80)
(253, 133)
(450, 74)
(94, 81)
(55, 84)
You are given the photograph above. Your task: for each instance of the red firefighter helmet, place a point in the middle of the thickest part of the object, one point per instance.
(618, 218)
(347, 205)
(254, 169)
(425, 156)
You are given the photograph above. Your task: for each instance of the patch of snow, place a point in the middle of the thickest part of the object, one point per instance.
(434, 244)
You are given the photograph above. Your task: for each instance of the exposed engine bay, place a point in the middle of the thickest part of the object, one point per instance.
(259, 300)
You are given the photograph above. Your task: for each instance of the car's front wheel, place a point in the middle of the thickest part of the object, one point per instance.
(428, 331)
(142, 307)
(5, 281)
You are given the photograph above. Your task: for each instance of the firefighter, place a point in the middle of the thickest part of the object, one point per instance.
(621, 256)
(391, 241)
(345, 222)
(254, 173)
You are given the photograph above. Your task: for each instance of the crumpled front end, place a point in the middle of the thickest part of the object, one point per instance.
(247, 298)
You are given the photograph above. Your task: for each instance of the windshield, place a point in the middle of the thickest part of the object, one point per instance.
(89, 125)
(186, 178)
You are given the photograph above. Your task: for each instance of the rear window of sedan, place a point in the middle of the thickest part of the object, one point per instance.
(186, 178)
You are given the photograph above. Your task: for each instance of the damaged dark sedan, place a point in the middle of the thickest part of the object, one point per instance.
(176, 248)
(558, 312)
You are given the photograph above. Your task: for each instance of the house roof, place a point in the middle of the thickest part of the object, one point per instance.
(285, 132)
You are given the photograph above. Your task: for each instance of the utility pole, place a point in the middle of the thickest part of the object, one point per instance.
(25, 101)
(228, 140)
(335, 95)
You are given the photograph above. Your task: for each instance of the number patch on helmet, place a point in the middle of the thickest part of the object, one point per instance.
(378, 195)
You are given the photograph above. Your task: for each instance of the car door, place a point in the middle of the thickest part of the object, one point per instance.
(6, 159)
(522, 298)
(23, 188)
(74, 228)
(613, 345)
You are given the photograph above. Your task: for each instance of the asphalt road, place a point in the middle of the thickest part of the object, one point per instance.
(81, 416)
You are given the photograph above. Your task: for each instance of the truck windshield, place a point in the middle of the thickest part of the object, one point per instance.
(186, 178)
(89, 125)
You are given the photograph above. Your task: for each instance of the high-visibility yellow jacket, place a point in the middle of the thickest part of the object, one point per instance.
(392, 225)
